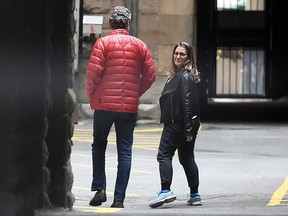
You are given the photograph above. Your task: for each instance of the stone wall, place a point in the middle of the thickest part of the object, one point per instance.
(161, 24)
(164, 23)
(60, 131)
(36, 106)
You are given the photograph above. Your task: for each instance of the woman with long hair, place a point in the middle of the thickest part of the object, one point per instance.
(180, 113)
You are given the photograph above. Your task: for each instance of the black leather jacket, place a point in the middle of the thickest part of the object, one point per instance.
(179, 102)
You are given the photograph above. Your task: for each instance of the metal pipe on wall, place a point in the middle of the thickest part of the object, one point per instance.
(132, 5)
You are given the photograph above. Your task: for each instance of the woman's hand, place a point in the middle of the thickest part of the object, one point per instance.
(189, 138)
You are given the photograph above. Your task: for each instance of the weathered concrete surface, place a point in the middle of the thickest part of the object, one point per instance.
(241, 166)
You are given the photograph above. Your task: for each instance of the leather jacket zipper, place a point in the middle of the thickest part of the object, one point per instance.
(172, 109)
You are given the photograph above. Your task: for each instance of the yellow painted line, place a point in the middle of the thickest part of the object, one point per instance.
(133, 170)
(89, 155)
(81, 165)
(110, 193)
(146, 148)
(148, 130)
(81, 129)
(98, 209)
(136, 142)
(136, 130)
(88, 189)
(103, 211)
(279, 194)
(85, 131)
(82, 139)
(88, 166)
(135, 145)
(112, 140)
(142, 171)
(82, 155)
(147, 143)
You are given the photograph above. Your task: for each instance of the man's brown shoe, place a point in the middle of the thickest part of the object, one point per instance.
(99, 197)
(117, 204)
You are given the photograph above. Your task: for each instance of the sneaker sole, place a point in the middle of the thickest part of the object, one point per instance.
(161, 202)
(197, 203)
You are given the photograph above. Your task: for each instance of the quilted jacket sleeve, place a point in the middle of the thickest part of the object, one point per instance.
(95, 68)
(148, 75)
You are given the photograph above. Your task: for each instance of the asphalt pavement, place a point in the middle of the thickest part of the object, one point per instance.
(243, 171)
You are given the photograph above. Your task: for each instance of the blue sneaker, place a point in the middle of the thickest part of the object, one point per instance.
(162, 198)
(194, 200)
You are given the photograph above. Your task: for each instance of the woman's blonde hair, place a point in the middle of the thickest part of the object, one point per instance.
(190, 65)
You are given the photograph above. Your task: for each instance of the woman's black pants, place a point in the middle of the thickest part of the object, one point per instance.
(173, 138)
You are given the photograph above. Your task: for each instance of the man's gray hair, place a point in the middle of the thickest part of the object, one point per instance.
(119, 17)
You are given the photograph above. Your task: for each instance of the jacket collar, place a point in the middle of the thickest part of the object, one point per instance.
(119, 31)
(172, 85)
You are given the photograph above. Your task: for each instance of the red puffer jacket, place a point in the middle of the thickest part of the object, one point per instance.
(119, 71)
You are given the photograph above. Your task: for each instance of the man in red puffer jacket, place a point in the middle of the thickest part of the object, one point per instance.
(119, 71)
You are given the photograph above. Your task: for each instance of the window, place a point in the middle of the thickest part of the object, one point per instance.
(240, 71)
(245, 5)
